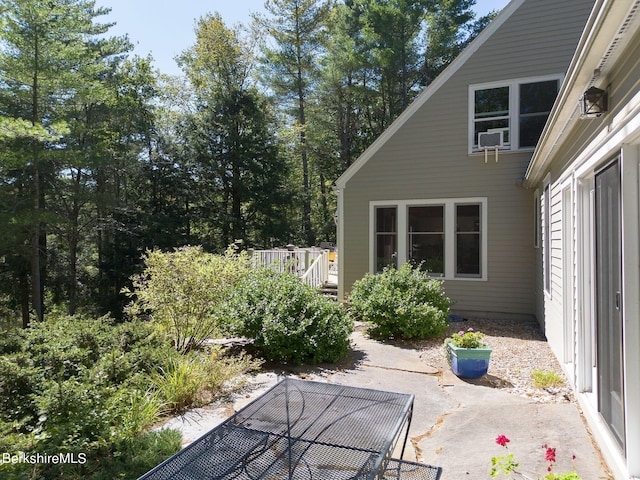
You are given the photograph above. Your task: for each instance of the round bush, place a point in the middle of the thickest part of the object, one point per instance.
(405, 302)
(288, 320)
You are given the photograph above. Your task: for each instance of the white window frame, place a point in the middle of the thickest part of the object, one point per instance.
(449, 228)
(514, 109)
(537, 219)
(547, 200)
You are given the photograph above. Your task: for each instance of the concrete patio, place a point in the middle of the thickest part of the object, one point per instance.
(455, 422)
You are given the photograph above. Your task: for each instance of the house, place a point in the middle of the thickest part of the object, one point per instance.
(585, 179)
(515, 176)
(425, 190)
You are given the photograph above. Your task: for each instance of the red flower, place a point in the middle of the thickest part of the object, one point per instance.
(551, 455)
(502, 440)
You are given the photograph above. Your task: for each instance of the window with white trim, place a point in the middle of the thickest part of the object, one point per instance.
(426, 237)
(537, 219)
(468, 240)
(386, 237)
(517, 109)
(546, 232)
(447, 237)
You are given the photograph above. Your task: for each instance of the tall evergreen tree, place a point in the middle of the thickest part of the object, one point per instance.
(47, 53)
(239, 173)
(298, 31)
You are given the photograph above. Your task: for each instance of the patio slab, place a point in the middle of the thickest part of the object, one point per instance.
(454, 423)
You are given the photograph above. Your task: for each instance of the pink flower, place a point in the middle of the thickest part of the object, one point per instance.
(551, 455)
(461, 333)
(470, 329)
(502, 440)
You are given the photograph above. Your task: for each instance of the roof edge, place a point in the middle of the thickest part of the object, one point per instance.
(429, 91)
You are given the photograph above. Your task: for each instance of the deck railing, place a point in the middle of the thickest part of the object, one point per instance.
(311, 265)
(318, 273)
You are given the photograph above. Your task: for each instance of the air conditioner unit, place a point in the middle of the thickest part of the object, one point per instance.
(491, 139)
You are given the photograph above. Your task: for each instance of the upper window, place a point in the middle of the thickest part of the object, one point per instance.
(516, 110)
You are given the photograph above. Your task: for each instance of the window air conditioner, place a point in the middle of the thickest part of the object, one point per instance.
(491, 139)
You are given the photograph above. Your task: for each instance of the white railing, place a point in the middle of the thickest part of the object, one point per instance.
(296, 261)
(318, 273)
(311, 265)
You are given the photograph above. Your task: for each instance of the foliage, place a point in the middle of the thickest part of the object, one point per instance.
(92, 386)
(506, 464)
(542, 379)
(78, 385)
(468, 339)
(290, 66)
(128, 458)
(288, 320)
(193, 379)
(238, 172)
(405, 302)
(53, 56)
(103, 159)
(182, 291)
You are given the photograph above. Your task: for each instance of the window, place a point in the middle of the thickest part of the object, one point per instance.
(426, 237)
(386, 237)
(518, 108)
(491, 112)
(468, 240)
(446, 236)
(536, 101)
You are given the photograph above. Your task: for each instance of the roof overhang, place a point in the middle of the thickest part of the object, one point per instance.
(607, 32)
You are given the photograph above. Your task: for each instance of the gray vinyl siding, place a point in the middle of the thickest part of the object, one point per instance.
(427, 159)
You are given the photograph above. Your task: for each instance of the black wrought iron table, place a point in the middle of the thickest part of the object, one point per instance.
(302, 430)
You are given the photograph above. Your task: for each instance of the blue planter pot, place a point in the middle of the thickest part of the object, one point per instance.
(469, 362)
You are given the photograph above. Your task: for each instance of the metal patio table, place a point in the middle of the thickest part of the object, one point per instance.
(302, 430)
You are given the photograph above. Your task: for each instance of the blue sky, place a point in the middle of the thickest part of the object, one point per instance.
(166, 28)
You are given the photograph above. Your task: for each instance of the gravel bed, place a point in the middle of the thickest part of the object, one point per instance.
(518, 348)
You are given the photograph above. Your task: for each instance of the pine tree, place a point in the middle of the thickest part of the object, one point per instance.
(49, 53)
(298, 31)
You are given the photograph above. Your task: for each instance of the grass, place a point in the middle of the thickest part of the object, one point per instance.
(543, 379)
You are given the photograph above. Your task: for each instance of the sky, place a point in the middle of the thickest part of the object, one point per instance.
(165, 28)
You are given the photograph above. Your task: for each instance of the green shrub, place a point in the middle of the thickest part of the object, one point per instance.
(196, 378)
(127, 458)
(19, 381)
(288, 320)
(68, 385)
(182, 291)
(405, 302)
(178, 383)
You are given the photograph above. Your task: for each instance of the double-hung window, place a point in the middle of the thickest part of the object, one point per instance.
(445, 237)
(516, 109)
(386, 238)
(425, 237)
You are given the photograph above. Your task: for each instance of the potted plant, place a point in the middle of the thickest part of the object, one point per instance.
(468, 354)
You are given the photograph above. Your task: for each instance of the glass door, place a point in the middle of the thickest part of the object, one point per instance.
(608, 299)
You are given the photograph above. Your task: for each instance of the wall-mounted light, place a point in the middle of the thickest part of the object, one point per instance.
(594, 102)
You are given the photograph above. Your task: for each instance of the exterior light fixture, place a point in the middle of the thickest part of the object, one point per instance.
(594, 102)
